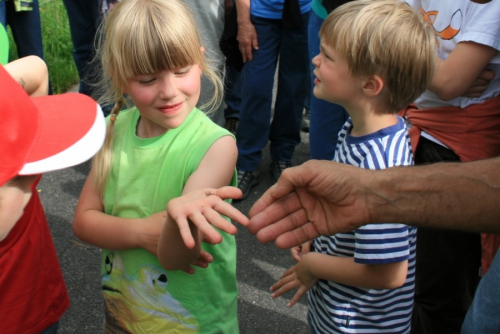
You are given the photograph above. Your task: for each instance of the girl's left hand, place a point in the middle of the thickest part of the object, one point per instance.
(203, 260)
(203, 208)
(297, 277)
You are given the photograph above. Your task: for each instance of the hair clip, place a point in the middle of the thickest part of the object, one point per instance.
(112, 118)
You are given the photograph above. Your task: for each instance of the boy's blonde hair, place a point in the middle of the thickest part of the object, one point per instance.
(385, 38)
(144, 37)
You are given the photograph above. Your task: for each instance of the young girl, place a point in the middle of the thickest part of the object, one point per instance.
(162, 151)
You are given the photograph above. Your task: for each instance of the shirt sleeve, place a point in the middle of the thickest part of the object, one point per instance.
(381, 244)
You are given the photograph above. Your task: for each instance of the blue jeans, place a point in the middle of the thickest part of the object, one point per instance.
(25, 26)
(483, 315)
(289, 45)
(84, 19)
(327, 118)
(53, 329)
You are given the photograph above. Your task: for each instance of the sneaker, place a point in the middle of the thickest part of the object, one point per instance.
(246, 181)
(232, 124)
(304, 126)
(277, 167)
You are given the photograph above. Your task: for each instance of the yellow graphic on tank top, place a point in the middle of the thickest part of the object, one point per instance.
(142, 304)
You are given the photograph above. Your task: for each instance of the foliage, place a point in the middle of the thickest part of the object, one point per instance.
(57, 45)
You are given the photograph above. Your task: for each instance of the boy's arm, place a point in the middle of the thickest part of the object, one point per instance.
(453, 76)
(32, 74)
(93, 226)
(189, 214)
(343, 270)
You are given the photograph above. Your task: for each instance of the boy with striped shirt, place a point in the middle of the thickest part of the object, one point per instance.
(375, 58)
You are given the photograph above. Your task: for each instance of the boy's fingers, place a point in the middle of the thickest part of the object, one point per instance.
(297, 296)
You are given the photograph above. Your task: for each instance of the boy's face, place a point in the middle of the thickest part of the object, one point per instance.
(333, 81)
(14, 195)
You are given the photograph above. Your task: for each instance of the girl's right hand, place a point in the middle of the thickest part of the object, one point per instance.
(299, 251)
(203, 208)
(150, 231)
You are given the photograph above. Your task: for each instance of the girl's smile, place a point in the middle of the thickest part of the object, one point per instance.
(164, 99)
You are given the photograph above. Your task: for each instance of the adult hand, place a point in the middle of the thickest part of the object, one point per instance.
(247, 39)
(480, 85)
(316, 198)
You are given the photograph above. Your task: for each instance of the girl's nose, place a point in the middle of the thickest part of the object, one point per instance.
(167, 90)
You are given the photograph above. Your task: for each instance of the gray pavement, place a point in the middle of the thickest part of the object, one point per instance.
(258, 266)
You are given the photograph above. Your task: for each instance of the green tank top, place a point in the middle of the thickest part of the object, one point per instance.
(140, 296)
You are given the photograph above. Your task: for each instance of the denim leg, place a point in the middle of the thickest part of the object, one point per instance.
(327, 118)
(232, 92)
(482, 316)
(52, 329)
(26, 29)
(84, 19)
(3, 14)
(257, 80)
(291, 92)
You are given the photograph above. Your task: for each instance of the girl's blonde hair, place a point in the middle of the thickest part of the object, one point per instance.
(387, 38)
(144, 37)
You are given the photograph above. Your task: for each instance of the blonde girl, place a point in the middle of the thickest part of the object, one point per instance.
(161, 153)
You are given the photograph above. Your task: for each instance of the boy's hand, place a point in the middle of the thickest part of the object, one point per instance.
(203, 208)
(299, 251)
(480, 85)
(297, 277)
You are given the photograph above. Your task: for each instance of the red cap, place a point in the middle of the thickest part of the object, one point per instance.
(46, 133)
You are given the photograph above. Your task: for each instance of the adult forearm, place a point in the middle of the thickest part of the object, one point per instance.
(464, 196)
(243, 11)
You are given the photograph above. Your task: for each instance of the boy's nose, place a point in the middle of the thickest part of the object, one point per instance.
(315, 61)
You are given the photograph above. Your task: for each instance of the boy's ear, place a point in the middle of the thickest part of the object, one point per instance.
(373, 85)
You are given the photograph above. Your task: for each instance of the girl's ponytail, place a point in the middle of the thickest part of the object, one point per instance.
(103, 159)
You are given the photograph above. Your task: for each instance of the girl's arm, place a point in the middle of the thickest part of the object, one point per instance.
(453, 76)
(93, 226)
(191, 215)
(342, 270)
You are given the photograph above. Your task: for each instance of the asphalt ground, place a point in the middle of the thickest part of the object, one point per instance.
(258, 265)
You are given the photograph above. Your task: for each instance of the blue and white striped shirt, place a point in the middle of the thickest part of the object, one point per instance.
(338, 308)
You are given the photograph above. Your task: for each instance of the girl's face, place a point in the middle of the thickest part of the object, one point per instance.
(164, 99)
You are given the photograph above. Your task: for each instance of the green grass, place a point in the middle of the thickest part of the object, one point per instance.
(57, 45)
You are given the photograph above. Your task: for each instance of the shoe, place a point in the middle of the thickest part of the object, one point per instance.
(246, 181)
(277, 167)
(304, 126)
(231, 124)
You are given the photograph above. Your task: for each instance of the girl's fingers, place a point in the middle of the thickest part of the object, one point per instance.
(214, 218)
(185, 232)
(205, 228)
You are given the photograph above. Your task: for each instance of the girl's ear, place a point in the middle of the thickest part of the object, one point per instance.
(373, 85)
(202, 49)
